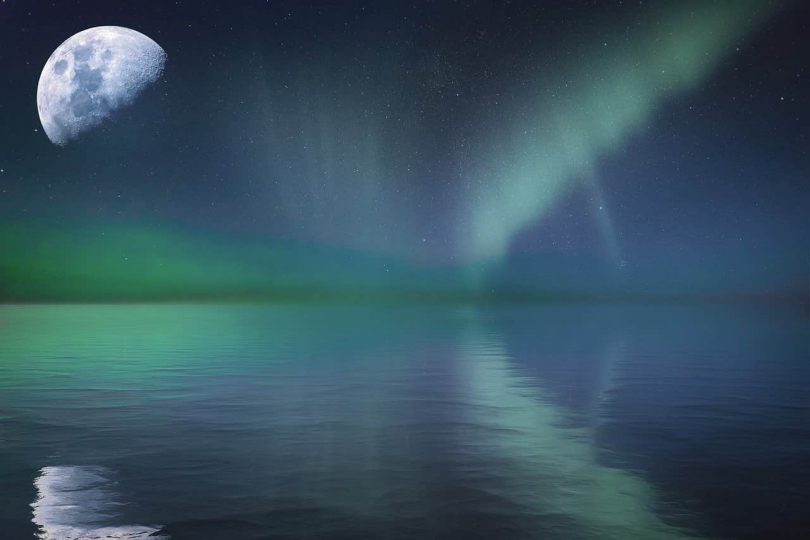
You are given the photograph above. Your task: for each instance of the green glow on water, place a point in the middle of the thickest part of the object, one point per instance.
(332, 382)
(548, 467)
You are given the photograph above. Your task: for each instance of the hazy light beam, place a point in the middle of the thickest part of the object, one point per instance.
(592, 111)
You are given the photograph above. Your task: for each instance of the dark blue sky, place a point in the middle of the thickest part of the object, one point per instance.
(568, 147)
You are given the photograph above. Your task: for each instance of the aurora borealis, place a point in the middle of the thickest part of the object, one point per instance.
(439, 151)
(591, 109)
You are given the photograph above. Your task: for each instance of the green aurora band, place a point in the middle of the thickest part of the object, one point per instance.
(581, 114)
(125, 262)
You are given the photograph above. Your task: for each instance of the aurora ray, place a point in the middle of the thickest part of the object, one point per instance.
(583, 113)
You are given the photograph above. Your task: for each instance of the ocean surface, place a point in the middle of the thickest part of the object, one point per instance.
(280, 421)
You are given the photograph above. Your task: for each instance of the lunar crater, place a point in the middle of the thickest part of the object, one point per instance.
(93, 74)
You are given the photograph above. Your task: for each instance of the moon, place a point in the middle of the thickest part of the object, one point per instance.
(93, 74)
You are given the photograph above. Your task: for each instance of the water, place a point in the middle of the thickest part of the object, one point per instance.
(248, 422)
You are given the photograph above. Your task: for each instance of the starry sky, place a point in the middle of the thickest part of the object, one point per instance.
(434, 149)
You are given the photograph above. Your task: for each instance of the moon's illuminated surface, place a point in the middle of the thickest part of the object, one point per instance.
(93, 74)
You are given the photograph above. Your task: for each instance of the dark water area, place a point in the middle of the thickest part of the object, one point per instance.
(259, 422)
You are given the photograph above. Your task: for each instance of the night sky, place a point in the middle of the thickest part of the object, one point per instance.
(418, 149)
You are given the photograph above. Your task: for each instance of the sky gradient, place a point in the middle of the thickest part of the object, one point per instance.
(479, 150)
